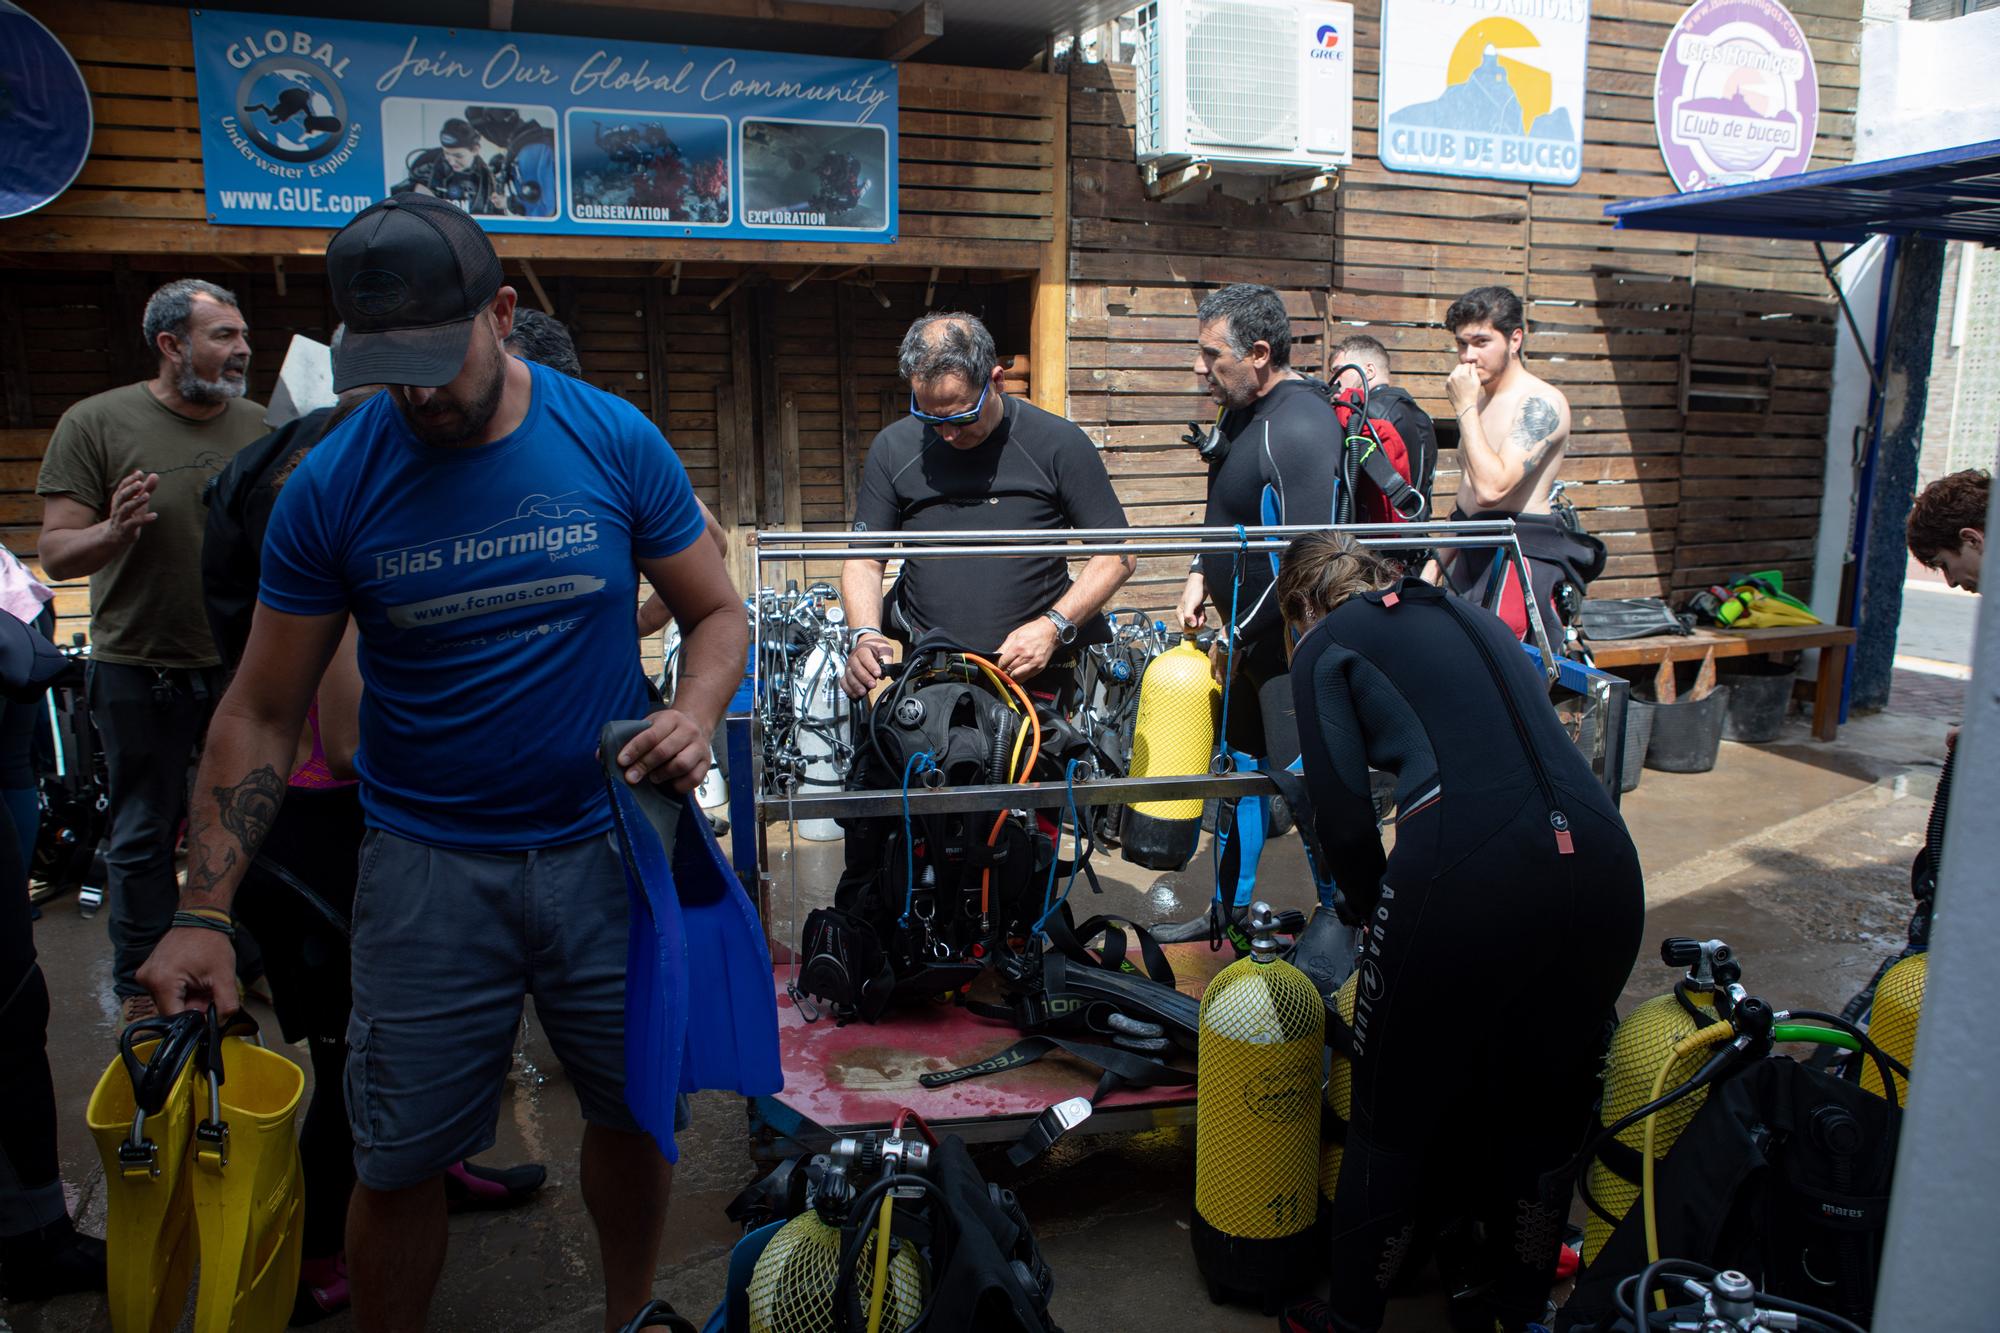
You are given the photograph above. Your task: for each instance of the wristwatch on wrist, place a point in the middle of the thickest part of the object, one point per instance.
(1065, 628)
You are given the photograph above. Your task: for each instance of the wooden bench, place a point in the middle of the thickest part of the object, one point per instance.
(1706, 645)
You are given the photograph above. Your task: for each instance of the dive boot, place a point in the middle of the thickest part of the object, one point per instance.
(1325, 951)
(50, 1261)
(1214, 925)
(472, 1188)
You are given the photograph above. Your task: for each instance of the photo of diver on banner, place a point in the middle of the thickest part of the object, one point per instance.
(630, 166)
(807, 174)
(489, 160)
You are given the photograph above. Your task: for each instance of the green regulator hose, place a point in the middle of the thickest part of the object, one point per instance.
(1805, 1032)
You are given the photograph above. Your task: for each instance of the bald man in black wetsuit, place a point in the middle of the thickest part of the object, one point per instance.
(1273, 458)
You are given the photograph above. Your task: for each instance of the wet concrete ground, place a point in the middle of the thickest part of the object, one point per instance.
(1797, 853)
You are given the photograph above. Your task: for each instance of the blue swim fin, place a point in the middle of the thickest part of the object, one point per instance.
(701, 1010)
(732, 1030)
(656, 989)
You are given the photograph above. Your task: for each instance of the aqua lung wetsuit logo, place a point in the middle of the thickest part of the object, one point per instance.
(291, 115)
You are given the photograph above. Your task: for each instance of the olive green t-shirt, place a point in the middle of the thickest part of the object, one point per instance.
(145, 605)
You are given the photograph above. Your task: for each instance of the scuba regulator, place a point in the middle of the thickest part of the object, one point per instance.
(1724, 1302)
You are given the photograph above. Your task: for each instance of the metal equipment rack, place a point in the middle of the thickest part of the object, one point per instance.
(803, 1114)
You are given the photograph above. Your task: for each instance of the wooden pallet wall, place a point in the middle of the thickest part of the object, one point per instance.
(1138, 269)
(1684, 486)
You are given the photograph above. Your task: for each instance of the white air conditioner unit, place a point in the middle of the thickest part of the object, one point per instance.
(1247, 83)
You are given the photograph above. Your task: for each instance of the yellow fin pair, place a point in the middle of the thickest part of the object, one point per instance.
(195, 1125)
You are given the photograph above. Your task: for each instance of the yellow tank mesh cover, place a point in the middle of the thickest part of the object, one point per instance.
(791, 1290)
(1257, 1108)
(1174, 735)
(1899, 1004)
(1642, 1042)
(1339, 1095)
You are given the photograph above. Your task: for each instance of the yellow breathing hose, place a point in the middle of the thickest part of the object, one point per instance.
(875, 1299)
(1694, 1041)
(993, 678)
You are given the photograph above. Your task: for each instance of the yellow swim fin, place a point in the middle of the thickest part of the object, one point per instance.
(247, 1183)
(142, 1116)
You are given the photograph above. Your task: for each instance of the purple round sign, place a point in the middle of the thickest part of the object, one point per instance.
(1736, 98)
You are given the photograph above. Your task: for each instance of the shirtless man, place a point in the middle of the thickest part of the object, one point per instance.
(1512, 425)
(1512, 430)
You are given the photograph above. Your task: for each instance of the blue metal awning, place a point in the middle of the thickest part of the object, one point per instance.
(1953, 194)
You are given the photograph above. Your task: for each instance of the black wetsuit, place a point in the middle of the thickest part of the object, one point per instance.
(1281, 466)
(1500, 930)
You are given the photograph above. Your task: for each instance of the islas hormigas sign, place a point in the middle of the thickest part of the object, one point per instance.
(1736, 98)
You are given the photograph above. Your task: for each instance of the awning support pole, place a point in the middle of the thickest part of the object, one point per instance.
(1847, 311)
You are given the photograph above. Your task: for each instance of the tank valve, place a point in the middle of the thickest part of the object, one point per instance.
(1263, 942)
(1701, 958)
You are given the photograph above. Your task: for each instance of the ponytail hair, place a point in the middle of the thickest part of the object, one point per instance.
(1321, 570)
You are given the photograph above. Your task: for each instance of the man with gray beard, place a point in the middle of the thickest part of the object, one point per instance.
(121, 504)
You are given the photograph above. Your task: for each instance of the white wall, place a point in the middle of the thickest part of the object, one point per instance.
(1928, 85)
(1847, 413)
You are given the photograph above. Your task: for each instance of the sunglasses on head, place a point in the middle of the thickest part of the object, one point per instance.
(964, 418)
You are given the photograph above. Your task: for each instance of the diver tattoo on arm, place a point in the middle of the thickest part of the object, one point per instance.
(1534, 430)
(246, 811)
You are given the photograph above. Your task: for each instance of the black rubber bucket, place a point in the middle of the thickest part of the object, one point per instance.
(1638, 735)
(1688, 735)
(1760, 694)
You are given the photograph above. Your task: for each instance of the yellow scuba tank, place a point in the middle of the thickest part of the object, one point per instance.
(791, 1290)
(1174, 736)
(1899, 1003)
(793, 1284)
(1257, 1115)
(1640, 1045)
(1339, 1102)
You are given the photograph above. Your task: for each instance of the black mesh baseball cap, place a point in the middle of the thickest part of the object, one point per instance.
(409, 275)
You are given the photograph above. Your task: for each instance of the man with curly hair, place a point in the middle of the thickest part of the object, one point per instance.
(1947, 527)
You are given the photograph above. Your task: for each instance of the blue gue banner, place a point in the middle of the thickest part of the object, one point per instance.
(305, 122)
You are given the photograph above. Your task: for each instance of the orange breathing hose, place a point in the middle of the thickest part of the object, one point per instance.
(1027, 767)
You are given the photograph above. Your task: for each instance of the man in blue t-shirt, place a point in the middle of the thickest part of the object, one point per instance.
(482, 522)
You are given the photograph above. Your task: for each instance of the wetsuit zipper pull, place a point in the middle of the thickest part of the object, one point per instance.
(1565, 845)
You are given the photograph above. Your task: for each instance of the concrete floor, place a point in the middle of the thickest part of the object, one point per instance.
(1936, 625)
(1796, 852)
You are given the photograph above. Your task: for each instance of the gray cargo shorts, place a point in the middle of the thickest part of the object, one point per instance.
(447, 944)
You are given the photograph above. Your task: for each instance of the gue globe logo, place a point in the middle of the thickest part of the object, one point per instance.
(289, 104)
(1736, 98)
